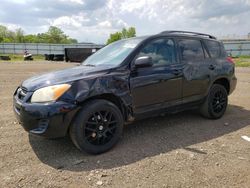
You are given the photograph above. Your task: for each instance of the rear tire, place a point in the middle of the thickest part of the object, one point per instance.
(216, 102)
(97, 127)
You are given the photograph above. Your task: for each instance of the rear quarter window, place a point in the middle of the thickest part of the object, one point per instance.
(191, 50)
(214, 48)
(223, 52)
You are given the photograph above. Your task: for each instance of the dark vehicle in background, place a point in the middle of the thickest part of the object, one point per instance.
(126, 81)
(78, 54)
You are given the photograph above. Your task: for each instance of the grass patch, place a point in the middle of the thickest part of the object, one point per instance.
(244, 57)
(19, 57)
(242, 62)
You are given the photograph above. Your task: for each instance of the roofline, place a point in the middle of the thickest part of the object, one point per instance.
(189, 33)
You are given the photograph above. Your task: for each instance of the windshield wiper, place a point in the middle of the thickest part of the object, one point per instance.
(89, 65)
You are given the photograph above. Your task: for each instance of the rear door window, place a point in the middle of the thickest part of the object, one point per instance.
(191, 50)
(213, 48)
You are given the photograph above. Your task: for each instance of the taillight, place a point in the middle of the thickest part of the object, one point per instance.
(230, 60)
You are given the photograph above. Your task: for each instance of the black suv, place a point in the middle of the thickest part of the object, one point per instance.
(126, 81)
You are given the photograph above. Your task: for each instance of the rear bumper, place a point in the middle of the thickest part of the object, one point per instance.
(49, 120)
(233, 84)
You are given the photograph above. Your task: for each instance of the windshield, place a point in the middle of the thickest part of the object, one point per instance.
(113, 54)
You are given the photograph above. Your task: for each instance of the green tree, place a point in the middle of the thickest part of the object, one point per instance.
(125, 33)
(56, 35)
(72, 41)
(19, 35)
(6, 35)
(42, 38)
(114, 37)
(53, 35)
(3, 32)
(131, 32)
(10, 36)
(30, 38)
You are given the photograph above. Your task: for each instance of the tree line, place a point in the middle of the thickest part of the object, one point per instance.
(125, 33)
(54, 35)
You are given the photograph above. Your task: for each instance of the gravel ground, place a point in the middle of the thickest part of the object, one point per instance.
(182, 150)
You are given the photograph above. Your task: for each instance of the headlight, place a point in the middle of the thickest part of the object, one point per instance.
(50, 93)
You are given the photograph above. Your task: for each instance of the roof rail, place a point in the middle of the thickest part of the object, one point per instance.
(189, 32)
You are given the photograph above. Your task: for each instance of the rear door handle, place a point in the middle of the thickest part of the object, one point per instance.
(211, 67)
(176, 71)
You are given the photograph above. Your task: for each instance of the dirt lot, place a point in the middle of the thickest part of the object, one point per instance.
(182, 150)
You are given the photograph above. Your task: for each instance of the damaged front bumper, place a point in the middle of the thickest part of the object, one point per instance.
(50, 120)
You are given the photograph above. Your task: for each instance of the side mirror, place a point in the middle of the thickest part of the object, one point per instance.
(144, 61)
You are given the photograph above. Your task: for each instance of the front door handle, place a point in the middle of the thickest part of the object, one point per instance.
(211, 67)
(176, 72)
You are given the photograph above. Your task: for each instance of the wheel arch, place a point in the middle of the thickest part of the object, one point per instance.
(107, 96)
(224, 82)
(111, 98)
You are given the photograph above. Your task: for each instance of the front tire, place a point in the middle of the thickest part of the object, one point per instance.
(216, 102)
(97, 127)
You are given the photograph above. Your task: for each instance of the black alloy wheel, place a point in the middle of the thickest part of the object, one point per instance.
(100, 127)
(219, 101)
(215, 103)
(97, 127)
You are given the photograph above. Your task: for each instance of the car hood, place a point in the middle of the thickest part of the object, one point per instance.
(63, 76)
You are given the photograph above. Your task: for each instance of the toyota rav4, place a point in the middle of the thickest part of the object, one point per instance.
(125, 81)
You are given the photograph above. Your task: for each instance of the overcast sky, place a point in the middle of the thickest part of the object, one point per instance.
(94, 20)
